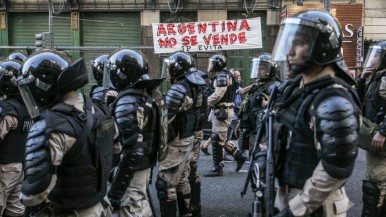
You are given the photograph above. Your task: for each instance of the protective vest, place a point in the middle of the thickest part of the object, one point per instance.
(301, 156)
(129, 100)
(13, 145)
(373, 105)
(230, 94)
(185, 123)
(84, 171)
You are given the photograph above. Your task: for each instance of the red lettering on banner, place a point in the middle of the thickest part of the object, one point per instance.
(191, 28)
(161, 30)
(244, 24)
(181, 28)
(185, 40)
(224, 39)
(167, 42)
(214, 24)
(232, 26)
(202, 27)
(242, 37)
(171, 29)
(216, 39)
(207, 38)
(233, 38)
(193, 40)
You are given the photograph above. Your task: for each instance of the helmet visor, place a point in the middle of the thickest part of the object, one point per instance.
(165, 69)
(211, 65)
(260, 68)
(374, 57)
(106, 76)
(295, 41)
(32, 107)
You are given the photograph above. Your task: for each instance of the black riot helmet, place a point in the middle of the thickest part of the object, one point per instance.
(48, 75)
(309, 37)
(177, 65)
(127, 67)
(18, 56)
(9, 71)
(376, 56)
(263, 68)
(217, 63)
(97, 67)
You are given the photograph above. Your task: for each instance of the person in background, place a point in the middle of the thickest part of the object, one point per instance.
(371, 87)
(184, 100)
(14, 126)
(222, 101)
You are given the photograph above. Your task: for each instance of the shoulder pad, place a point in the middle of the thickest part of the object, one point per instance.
(98, 94)
(334, 108)
(222, 80)
(269, 87)
(125, 110)
(338, 124)
(37, 164)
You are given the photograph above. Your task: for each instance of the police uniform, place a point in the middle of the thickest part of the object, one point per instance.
(66, 176)
(14, 125)
(373, 96)
(222, 100)
(313, 172)
(182, 100)
(137, 117)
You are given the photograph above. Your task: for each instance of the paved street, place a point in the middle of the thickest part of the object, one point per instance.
(221, 195)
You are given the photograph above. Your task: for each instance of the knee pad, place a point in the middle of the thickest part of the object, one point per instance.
(161, 187)
(215, 138)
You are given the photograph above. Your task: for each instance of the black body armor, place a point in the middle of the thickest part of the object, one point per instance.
(185, 123)
(373, 105)
(222, 81)
(335, 111)
(13, 145)
(83, 173)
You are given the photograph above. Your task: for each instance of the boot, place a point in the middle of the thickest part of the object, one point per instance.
(168, 208)
(217, 159)
(183, 206)
(370, 199)
(195, 199)
(240, 159)
(205, 151)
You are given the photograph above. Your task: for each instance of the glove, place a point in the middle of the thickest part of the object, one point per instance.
(285, 213)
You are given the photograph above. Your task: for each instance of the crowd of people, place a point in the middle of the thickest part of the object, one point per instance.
(64, 153)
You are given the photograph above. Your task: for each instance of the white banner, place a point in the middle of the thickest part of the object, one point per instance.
(207, 36)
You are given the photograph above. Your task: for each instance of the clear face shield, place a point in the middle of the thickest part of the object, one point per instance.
(106, 75)
(22, 84)
(295, 41)
(374, 57)
(211, 64)
(260, 68)
(165, 69)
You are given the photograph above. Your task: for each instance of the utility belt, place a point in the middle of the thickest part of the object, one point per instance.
(223, 107)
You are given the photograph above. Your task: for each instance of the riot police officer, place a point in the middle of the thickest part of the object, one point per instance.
(98, 91)
(264, 71)
(183, 101)
(137, 111)
(320, 114)
(69, 148)
(14, 124)
(371, 90)
(221, 102)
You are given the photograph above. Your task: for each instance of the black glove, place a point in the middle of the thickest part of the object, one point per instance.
(285, 213)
